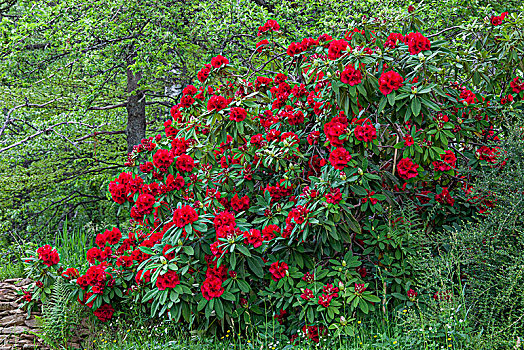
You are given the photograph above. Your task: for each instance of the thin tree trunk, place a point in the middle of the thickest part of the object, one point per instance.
(136, 108)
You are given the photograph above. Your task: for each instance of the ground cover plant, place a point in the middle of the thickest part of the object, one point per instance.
(302, 194)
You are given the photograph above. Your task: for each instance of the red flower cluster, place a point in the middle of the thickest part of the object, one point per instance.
(112, 237)
(517, 85)
(412, 295)
(163, 159)
(444, 197)
(497, 20)
(270, 25)
(389, 82)
(337, 48)
(48, 255)
(365, 132)
(334, 196)
(339, 158)
(184, 215)
(448, 161)
(219, 61)
(143, 206)
(240, 204)
(104, 312)
(167, 280)
(70, 273)
(204, 73)
(185, 163)
(217, 103)
(124, 187)
(237, 114)
(393, 39)
(278, 270)
(417, 43)
(314, 332)
(335, 128)
(407, 169)
(351, 76)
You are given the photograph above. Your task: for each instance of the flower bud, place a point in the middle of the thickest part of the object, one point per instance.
(343, 321)
(329, 74)
(344, 263)
(343, 176)
(341, 285)
(163, 260)
(360, 172)
(421, 57)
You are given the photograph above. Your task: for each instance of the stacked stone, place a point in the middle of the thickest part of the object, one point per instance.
(15, 328)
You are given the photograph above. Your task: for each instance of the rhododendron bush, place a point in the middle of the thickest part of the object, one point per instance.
(281, 186)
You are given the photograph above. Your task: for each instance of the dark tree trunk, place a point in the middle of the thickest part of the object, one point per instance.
(136, 109)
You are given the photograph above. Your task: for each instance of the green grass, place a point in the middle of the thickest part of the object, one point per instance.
(375, 333)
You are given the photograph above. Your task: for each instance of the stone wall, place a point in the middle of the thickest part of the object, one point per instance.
(15, 328)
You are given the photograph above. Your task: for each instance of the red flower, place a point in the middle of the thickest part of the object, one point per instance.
(336, 48)
(48, 255)
(365, 133)
(408, 140)
(351, 76)
(185, 163)
(393, 39)
(278, 270)
(204, 73)
(184, 216)
(237, 114)
(389, 82)
(334, 129)
(212, 287)
(225, 218)
(261, 45)
(339, 158)
(412, 295)
(143, 277)
(186, 101)
(270, 25)
(168, 280)
(313, 137)
(70, 273)
(217, 103)
(308, 294)
(334, 196)
(269, 232)
(104, 312)
(407, 169)
(240, 204)
(163, 159)
(314, 332)
(417, 43)
(444, 197)
(517, 85)
(219, 61)
(254, 237)
(324, 300)
(497, 20)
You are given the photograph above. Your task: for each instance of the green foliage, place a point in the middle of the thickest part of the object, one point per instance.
(480, 264)
(61, 315)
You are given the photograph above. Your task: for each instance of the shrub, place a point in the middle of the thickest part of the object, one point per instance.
(276, 186)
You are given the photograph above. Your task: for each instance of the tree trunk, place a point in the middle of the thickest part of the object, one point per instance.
(136, 108)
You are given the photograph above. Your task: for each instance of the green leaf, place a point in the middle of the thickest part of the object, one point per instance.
(219, 308)
(255, 265)
(415, 106)
(201, 304)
